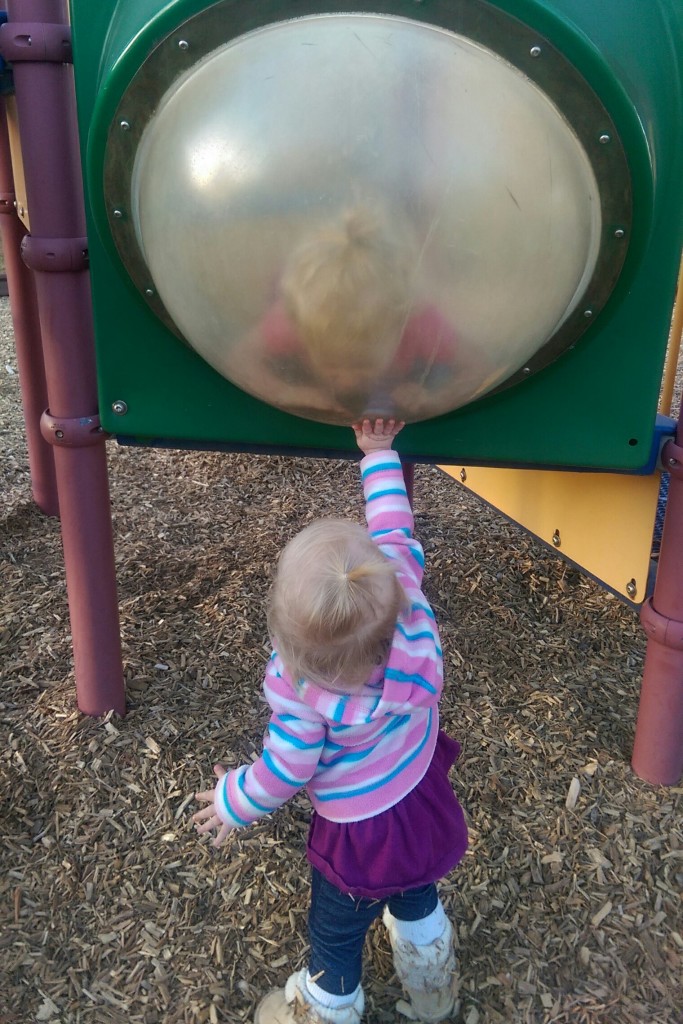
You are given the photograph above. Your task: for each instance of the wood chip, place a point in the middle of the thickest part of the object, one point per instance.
(597, 919)
(573, 794)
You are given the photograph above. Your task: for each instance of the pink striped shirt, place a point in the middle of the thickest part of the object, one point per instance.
(358, 754)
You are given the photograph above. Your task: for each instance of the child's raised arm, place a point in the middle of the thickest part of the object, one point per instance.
(387, 508)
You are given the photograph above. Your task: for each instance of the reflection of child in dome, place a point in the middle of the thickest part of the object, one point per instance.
(346, 318)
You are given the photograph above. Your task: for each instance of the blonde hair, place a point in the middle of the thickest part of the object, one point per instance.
(348, 292)
(334, 604)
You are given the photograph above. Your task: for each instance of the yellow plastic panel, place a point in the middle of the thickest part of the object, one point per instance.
(603, 522)
(17, 161)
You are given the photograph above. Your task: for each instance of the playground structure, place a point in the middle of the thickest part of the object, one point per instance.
(52, 312)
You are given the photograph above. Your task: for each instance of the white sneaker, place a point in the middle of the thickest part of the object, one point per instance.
(429, 974)
(289, 1005)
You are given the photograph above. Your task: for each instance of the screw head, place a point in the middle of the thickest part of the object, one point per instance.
(124, 126)
(118, 213)
(59, 433)
(604, 139)
(119, 407)
(672, 461)
(535, 51)
(557, 540)
(588, 313)
(619, 233)
(631, 588)
(149, 291)
(183, 44)
(526, 370)
(463, 475)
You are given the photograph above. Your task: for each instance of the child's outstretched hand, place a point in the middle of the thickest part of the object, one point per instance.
(207, 820)
(376, 435)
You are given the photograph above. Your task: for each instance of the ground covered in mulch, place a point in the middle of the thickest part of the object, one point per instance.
(568, 904)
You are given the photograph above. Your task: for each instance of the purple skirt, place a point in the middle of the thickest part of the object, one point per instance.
(417, 841)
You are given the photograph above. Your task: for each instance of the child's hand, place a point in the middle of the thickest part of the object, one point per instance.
(207, 819)
(377, 435)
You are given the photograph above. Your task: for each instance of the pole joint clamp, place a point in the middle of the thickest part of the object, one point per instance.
(667, 632)
(61, 255)
(40, 42)
(672, 459)
(77, 432)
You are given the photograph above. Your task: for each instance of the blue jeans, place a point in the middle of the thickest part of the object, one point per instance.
(338, 923)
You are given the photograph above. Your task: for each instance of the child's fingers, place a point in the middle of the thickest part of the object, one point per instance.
(205, 797)
(204, 813)
(222, 835)
(213, 823)
(219, 771)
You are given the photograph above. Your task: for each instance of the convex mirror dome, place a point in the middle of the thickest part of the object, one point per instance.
(351, 214)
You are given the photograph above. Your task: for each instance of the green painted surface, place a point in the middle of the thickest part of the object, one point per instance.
(595, 407)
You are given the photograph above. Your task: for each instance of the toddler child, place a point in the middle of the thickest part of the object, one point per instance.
(354, 684)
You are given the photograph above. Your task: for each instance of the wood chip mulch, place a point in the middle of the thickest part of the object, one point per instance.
(112, 910)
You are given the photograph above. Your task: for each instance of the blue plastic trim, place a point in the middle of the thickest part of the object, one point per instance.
(6, 76)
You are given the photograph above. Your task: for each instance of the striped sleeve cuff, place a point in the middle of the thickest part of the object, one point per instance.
(223, 805)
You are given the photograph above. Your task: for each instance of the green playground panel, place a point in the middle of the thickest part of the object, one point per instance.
(593, 408)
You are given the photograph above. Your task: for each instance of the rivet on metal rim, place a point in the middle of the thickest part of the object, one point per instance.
(183, 44)
(535, 51)
(118, 213)
(631, 588)
(119, 407)
(588, 313)
(149, 291)
(619, 233)
(124, 126)
(557, 540)
(59, 433)
(604, 139)
(463, 475)
(526, 369)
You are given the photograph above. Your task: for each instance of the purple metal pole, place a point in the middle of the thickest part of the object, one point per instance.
(658, 747)
(36, 41)
(409, 478)
(27, 335)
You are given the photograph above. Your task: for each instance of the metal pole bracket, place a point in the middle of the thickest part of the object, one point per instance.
(672, 459)
(667, 632)
(61, 255)
(79, 432)
(35, 41)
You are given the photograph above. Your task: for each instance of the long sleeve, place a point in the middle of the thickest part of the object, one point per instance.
(388, 512)
(413, 676)
(292, 747)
